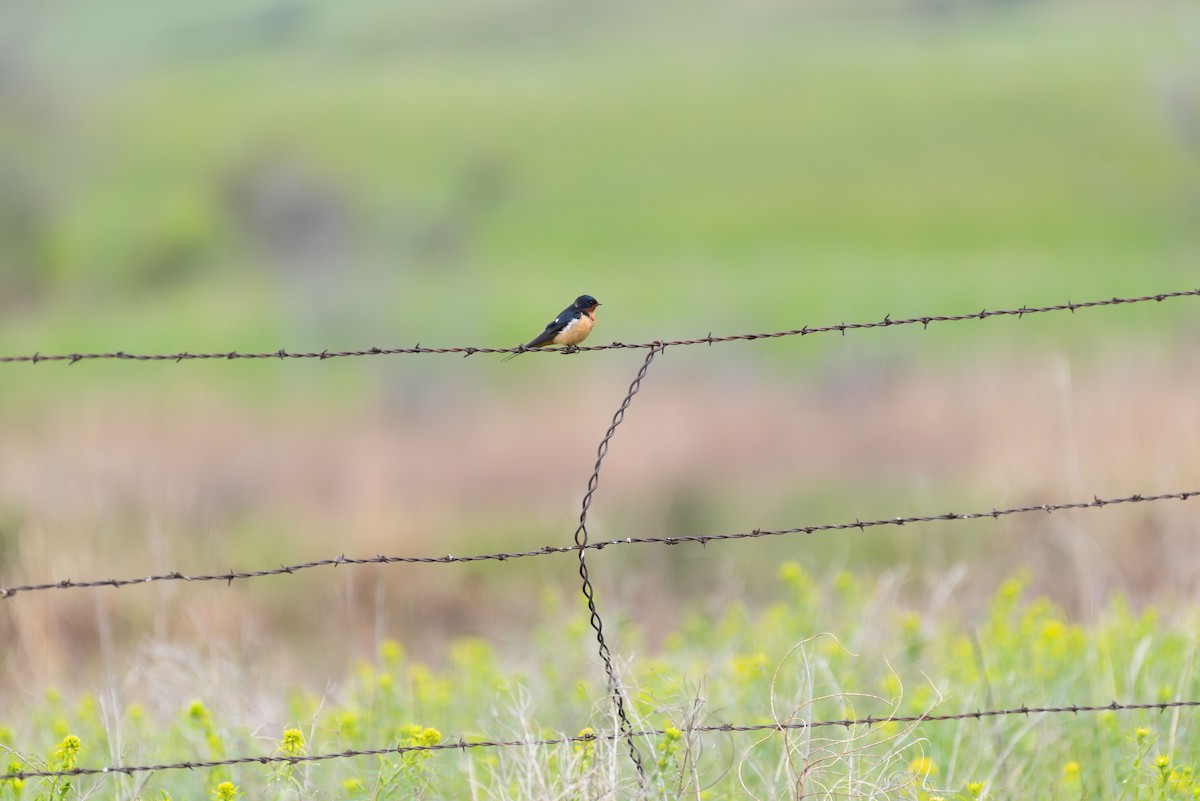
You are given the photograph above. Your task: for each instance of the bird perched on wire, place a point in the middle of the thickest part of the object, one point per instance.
(569, 328)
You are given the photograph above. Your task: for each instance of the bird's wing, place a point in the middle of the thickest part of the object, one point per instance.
(553, 327)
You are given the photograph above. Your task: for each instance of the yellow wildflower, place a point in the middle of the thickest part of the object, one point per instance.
(292, 743)
(226, 791)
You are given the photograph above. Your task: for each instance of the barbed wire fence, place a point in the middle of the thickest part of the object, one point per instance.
(841, 328)
(625, 730)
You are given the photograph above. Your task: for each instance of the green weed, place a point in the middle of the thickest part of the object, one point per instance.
(871, 656)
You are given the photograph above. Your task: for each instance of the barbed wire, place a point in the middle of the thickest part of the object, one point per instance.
(464, 745)
(887, 322)
(549, 550)
(581, 543)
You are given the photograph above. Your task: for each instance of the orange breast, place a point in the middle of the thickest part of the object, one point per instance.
(576, 332)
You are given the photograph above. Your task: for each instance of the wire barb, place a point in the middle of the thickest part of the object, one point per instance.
(842, 328)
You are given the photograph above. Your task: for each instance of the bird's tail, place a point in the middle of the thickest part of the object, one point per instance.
(521, 349)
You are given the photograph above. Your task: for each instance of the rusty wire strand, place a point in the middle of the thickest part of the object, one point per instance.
(463, 745)
(547, 550)
(841, 328)
(581, 545)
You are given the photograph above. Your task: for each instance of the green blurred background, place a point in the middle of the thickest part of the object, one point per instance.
(250, 175)
(258, 173)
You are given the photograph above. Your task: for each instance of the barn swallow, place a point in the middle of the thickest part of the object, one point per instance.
(570, 327)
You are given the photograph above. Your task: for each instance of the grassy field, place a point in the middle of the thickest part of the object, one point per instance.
(251, 175)
(376, 168)
(283, 174)
(842, 648)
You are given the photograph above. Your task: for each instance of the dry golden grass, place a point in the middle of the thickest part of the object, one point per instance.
(103, 487)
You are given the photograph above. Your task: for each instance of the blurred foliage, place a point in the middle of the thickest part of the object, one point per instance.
(237, 174)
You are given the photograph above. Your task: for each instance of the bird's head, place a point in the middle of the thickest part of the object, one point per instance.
(586, 303)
